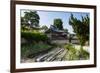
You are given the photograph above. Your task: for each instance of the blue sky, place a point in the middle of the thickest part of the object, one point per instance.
(47, 18)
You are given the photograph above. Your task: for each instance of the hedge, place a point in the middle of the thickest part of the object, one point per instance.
(28, 35)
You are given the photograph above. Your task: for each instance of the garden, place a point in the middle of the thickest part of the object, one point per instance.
(35, 43)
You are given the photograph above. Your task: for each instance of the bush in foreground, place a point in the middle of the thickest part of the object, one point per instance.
(74, 54)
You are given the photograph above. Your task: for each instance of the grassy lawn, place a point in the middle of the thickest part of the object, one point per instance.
(31, 50)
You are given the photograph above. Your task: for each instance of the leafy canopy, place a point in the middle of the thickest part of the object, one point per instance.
(81, 28)
(58, 23)
(31, 19)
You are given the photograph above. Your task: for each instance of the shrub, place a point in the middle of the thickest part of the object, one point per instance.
(69, 46)
(31, 36)
(74, 54)
(31, 50)
(85, 54)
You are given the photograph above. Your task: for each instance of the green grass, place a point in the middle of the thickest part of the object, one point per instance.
(31, 50)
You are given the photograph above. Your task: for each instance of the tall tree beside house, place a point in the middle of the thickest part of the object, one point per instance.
(86, 21)
(58, 23)
(30, 19)
(70, 37)
(81, 28)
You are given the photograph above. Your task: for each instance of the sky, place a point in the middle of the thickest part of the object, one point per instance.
(47, 18)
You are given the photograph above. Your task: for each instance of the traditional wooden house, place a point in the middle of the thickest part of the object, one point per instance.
(56, 35)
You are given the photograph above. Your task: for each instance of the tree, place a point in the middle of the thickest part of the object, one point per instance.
(44, 27)
(81, 28)
(58, 23)
(85, 21)
(70, 37)
(30, 19)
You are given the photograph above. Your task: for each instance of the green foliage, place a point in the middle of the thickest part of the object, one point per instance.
(81, 28)
(74, 54)
(83, 54)
(44, 27)
(24, 28)
(32, 36)
(31, 50)
(86, 21)
(69, 46)
(58, 23)
(30, 19)
(70, 37)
